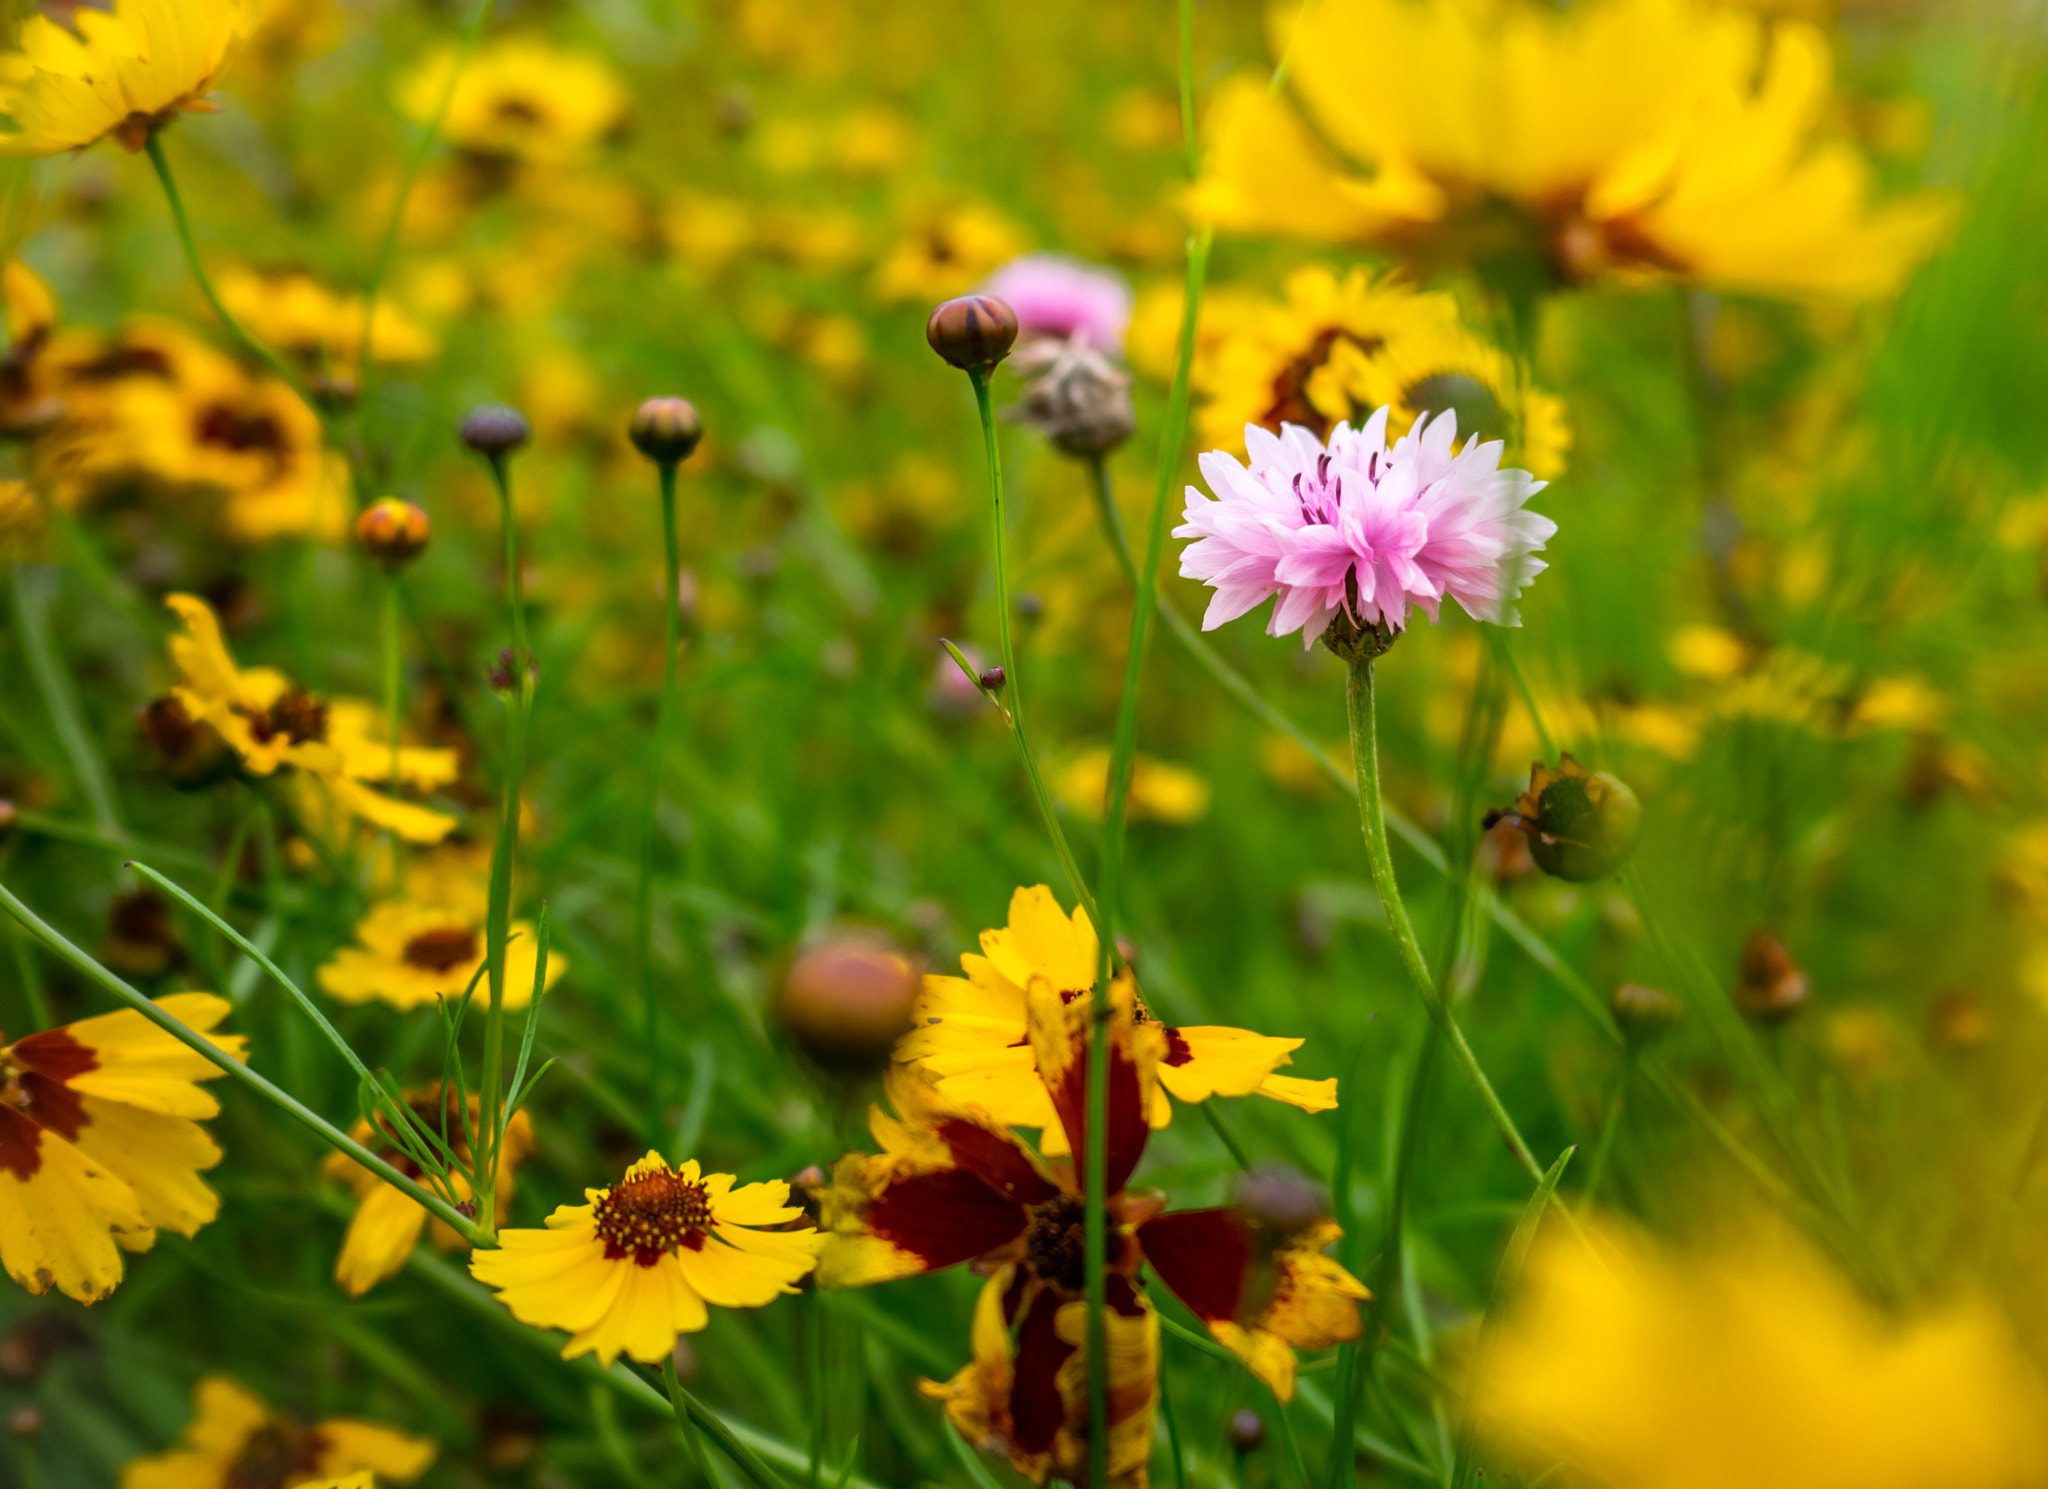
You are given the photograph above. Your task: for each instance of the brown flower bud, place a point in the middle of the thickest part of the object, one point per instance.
(1644, 1012)
(140, 938)
(846, 1001)
(393, 532)
(1580, 824)
(1769, 987)
(1959, 1022)
(495, 430)
(993, 678)
(25, 1421)
(9, 814)
(1076, 397)
(1278, 1201)
(973, 333)
(1247, 1431)
(666, 430)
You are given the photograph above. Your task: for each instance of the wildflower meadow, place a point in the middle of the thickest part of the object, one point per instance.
(863, 744)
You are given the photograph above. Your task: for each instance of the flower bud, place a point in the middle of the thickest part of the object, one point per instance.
(1276, 1200)
(25, 1421)
(666, 430)
(193, 754)
(1769, 986)
(9, 814)
(140, 939)
(1644, 1012)
(1581, 824)
(393, 532)
(846, 1001)
(495, 430)
(973, 333)
(1076, 397)
(1247, 1431)
(993, 678)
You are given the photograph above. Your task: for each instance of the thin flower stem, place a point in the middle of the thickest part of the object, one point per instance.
(643, 896)
(1013, 708)
(1365, 759)
(55, 940)
(269, 358)
(1610, 1123)
(498, 920)
(34, 587)
(1504, 651)
(1293, 1447)
(689, 1409)
(408, 176)
(394, 670)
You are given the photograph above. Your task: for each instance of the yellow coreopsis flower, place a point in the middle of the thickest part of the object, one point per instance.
(637, 1265)
(944, 251)
(235, 1441)
(100, 1143)
(971, 1033)
(387, 1224)
(1641, 137)
(1334, 349)
(1634, 1365)
(126, 72)
(322, 329)
(1160, 790)
(428, 945)
(521, 99)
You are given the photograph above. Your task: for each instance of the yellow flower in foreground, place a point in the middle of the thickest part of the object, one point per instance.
(269, 724)
(972, 1032)
(430, 945)
(234, 1441)
(387, 1224)
(100, 1143)
(1643, 137)
(1641, 1368)
(1333, 350)
(1160, 790)
(521, 99)
(635, 1267)
(127, 72)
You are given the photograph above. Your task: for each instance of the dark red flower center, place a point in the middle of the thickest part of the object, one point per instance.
(1056, 1244)
(277, 1454)
(228, 428)
(441, 948)
(298, 716)
(648, 1217)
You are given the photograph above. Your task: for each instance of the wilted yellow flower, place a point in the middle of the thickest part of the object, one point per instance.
(125, 72)
(1638, 1367)
(1334, 350)
(1160, 790)
(1638, 137)
(521, 99)
(235, 1441)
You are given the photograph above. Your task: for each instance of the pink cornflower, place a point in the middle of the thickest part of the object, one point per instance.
(1064, 298)
(1355, 526)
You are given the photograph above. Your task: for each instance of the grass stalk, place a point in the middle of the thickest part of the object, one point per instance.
(643, 888)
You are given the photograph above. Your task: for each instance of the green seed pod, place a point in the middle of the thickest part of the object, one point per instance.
(1581, 824)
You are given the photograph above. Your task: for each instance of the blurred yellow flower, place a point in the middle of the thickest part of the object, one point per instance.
(1638, 1367)
(521, 99)
(323, 330)
(1334, 350)
(1708, 652)
(235, 1441)
(387, 1224)
(1160, 790)
(943, 251)
(429, 944)
(125, 72)
(1638, 137)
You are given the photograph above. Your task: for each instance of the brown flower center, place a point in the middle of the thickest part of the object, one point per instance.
(230, 429)
(298, 716)
(648, 1217)
(1289, 394)
(1056, 1244)
(518, 111)
(441, 948)
(277, 1454)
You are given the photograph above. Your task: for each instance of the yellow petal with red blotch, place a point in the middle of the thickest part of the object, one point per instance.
(381, 1236)
(178, 1469)
(765, 1203)
(1310, 1096)
(159, 1158)
(1315, 1301)
(1219, 1061)
(390, 1454)
(647, 1308)
(141, 1065)
(60, 1225)
(1266, 1355)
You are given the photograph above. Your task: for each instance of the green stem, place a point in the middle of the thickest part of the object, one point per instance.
(333, 1136)
(643, 896)
(34, 587)
(689, 1409)
(1505, 652)
(1365, 759)
(498, 920)
(183, 223)
(1013, 707)
(394, 671)
(1610, 1123)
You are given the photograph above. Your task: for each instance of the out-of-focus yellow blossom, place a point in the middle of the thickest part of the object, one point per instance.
(26, 401)
(1160, 790)
(1708, 652)
(822, 239)
(1290, 767)
(429, 944)
(22, 520)
(1641, 138)
(707, 232)
(1334, 349)
(1636, 1367)
(301, 317)
(521, 99)
(235, 1441)
(158, 405)
(900, 511)
(1902, 702)
(942, 251)
(869, 141)
(125, 72)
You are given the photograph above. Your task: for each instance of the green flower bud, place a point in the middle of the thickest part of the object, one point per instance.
(1580, 824)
